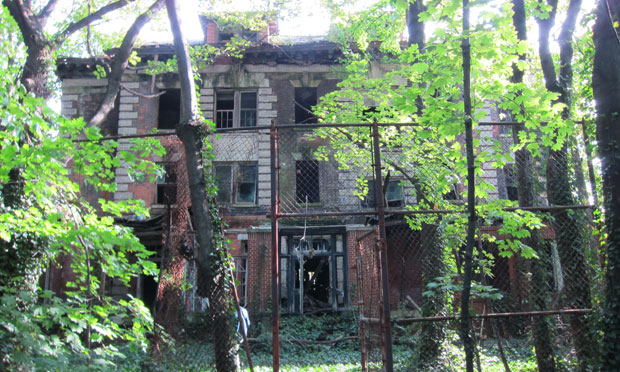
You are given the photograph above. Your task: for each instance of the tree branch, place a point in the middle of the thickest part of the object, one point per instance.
(31, 29)
(135, 93)
(566, 45)
(121, 60)
(45, 13)
(61, 37)
(546, 61)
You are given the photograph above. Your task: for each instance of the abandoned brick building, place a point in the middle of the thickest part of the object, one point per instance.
(270, 82)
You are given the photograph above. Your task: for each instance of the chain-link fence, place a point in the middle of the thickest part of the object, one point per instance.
(535, 262)
(382, 234)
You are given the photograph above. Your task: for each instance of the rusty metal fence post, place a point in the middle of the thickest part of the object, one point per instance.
(275, 248)
(382, 245)
(360, 304)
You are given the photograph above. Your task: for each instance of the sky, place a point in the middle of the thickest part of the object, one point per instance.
(312, 19)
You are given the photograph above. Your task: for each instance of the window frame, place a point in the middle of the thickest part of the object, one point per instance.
(235, 182)
(166, 182)
(237, 110)
(370, 199)
(170, 99)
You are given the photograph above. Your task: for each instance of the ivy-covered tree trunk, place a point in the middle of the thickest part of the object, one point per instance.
(606, 88)
(192, 131)
(569, 225)
(539, 291)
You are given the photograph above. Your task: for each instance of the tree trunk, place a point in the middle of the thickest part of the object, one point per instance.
(606, 87)
(192, 131)
(569, 225)
(468, 342)
(538, 292)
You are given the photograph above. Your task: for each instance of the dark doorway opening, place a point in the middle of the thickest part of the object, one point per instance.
(316, 280)
(149, 291)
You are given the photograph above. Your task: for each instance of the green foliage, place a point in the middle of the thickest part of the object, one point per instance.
(48, 159)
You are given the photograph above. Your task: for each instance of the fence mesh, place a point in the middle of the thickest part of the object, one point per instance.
(534, 267)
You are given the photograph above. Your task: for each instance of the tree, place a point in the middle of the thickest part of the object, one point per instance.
(34, 76)
(526, 195)
(192, 132)
(429, 97)
(606, 87)
(569, 228)
(39, 329)
(45, 220)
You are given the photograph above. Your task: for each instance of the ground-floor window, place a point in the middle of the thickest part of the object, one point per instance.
(313, 269)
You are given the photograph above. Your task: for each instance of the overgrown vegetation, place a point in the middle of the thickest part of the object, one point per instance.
(300, 354)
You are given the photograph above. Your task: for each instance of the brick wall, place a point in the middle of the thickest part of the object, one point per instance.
(259, 269)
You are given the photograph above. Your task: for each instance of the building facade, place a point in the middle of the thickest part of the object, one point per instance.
(242, 97)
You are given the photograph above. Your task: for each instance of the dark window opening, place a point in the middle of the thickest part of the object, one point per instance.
(167, 186)
(236, 183)
(248, 109)
(249, 35)
(307, 181)
(315, 280)
(225, 37)
(305, 100)
(246, 183)
(511, 183)
(149, 290)
(169, 109)
(223, 177)
(235, 109)
(394, 196)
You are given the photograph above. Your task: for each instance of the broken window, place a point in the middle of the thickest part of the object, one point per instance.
(169, 109)
(167, 185)
(313, 269)
(235, 109)
(307, 181)
(236, 182)
(305, 99)
(394, 196)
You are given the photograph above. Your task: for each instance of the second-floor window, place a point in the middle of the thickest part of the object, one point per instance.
(236, 183)
(167, 185)
(234, 109)
(169, 111)
(394, 196)
(307, 181)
